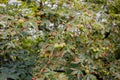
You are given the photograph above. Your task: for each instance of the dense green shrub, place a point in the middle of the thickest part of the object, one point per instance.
(55, 40)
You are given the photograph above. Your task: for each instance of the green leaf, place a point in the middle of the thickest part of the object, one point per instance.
(89, 77)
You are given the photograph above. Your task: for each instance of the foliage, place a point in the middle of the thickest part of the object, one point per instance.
(63, 39)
